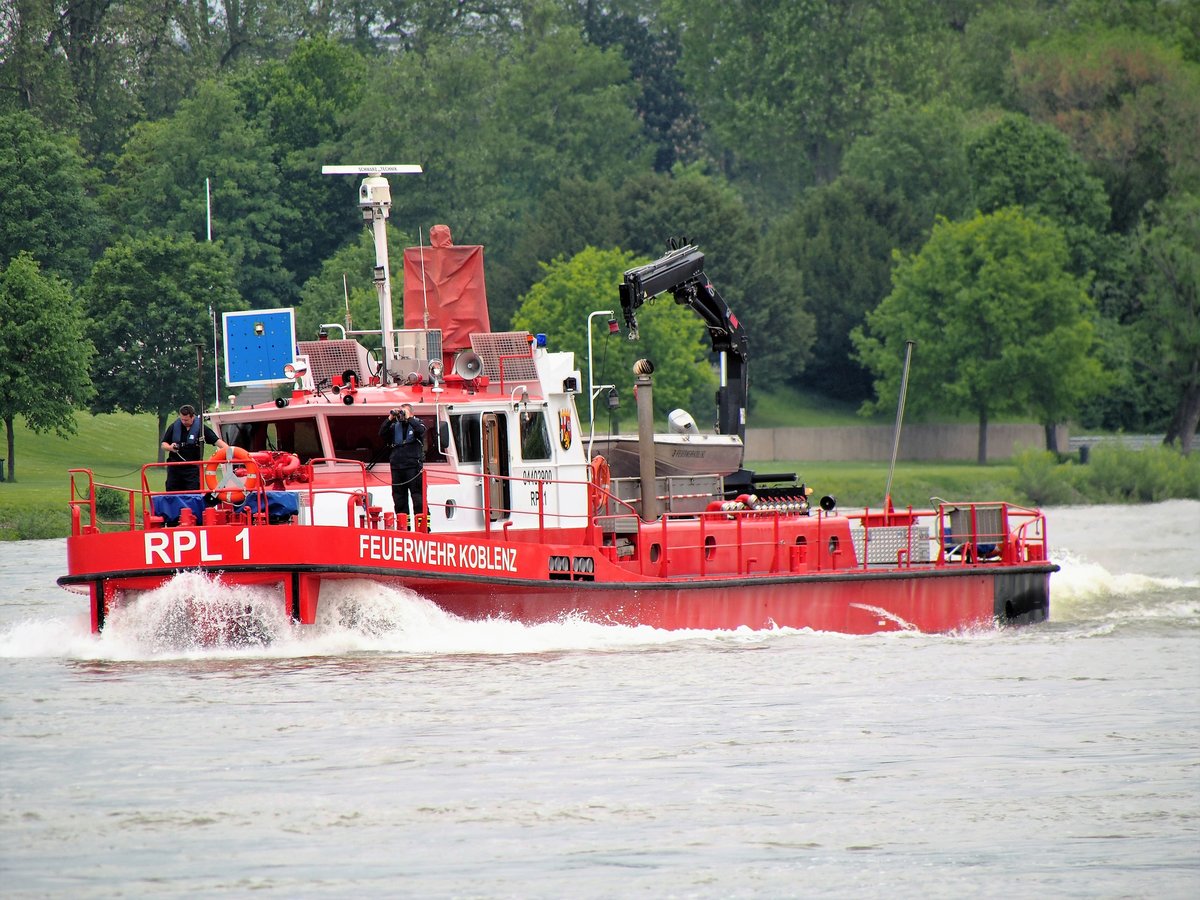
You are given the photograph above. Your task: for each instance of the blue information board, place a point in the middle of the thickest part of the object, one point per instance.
(258, 344)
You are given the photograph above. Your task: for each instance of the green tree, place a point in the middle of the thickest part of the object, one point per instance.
(32, 76)
(916, 154)
(1169, 256)
(757, 280)
(670, 336)
(841, 237)
(991, 36)
(148, 300)
(651, 46)
(46, 207)
(1001, 326)
(161, 188)
(44, 355)
(784, 84)
(1129, 104)
(1017, 162)
(497, 128)
(299, 102)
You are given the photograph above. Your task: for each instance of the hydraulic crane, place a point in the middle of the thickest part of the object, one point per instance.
(681, 272)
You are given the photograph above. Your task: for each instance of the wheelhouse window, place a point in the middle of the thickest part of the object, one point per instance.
(535, 436)
(357, 437)
(465, 430)
(299, 436)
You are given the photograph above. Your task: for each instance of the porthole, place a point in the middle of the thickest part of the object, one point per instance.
(710, 547)
(655, 552)
(450, 508)
(834, 543)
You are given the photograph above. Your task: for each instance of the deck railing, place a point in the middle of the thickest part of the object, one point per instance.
(963, 533)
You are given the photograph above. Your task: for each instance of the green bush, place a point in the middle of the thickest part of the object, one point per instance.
(111, 505)
(1045, 481)
(1115, 474)
(34, 524)
(1118, 474)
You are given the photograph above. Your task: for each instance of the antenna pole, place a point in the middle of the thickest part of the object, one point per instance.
(887, 493)
(216, 362)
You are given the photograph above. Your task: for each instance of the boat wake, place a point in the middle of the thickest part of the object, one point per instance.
(195, 617)
(1084, 591)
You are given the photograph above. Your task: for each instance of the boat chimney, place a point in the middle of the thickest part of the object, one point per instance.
(643, 389)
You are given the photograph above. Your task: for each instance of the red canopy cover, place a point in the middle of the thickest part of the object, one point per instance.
(450, 280)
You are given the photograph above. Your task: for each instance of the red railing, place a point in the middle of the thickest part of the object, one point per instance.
(679, 544)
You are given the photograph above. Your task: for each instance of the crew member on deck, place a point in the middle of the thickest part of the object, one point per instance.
(184, 441)
(406, 433)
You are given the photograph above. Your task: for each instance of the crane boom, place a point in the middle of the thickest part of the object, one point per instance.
(681, 272)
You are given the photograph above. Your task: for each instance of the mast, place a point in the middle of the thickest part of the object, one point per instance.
(375, 200)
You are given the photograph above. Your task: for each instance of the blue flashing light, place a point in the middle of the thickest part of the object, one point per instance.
(541, 340)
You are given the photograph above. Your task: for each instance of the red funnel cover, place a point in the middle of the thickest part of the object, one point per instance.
(449, 281)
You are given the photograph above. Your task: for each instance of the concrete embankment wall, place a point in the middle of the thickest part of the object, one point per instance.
(873, 443)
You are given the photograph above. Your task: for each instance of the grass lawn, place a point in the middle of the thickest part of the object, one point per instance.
(785, 407)
(114, 447)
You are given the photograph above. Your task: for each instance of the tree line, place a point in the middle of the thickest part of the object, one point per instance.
(1014, 185)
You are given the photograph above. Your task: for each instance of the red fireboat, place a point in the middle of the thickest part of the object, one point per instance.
(527, 517)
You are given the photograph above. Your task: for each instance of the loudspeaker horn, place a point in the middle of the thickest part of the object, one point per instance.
(467, 365)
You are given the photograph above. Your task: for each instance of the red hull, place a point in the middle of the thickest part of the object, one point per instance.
(477, 579)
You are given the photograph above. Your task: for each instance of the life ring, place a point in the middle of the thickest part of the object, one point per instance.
(598, 482)
(239, 476)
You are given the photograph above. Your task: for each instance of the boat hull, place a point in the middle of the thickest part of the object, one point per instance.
(479, 579)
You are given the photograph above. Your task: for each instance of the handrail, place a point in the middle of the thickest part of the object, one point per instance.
(987, 532)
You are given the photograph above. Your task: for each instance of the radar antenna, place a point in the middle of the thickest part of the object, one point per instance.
(375, 200)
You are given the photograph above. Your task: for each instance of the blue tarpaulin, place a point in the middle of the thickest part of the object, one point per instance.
(280, 505)
(171, 505)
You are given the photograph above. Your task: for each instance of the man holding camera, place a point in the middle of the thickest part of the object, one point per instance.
(406, 433)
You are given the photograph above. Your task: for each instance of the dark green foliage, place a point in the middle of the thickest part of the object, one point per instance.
(841, 238)
(1169, 264)
(799, 142)
(44, 354)
(46, 207)
(1016, 162)
(651, 47)
(299, 103)
(148, 301)
(753, 273)
(162, 189)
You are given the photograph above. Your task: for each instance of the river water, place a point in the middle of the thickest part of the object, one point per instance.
(396, 751)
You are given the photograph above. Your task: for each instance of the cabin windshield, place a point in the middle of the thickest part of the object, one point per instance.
(467, 440)
(357, 438)
(535, 436)
(299, 436)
